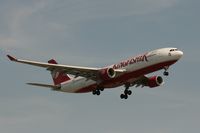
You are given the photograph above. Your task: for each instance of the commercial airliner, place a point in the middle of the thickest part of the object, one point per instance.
(130, 72)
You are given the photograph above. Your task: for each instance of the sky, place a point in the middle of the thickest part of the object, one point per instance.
(97, 33)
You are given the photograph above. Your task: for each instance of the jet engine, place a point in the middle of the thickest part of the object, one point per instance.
(155, 81)
(107, 73)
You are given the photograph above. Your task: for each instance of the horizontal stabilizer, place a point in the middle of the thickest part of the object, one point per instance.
(54, 87)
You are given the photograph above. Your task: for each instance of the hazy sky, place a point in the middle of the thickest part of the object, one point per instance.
(98, 33)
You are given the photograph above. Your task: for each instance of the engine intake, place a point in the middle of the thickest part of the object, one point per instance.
(155, 81)
(107, 73)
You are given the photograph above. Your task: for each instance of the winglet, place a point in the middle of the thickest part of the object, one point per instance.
(11, 58)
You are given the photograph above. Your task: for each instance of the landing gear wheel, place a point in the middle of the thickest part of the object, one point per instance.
(98, 92)
(166, 73)
(102, 89)
(94, 92)
(122, 96)
(129, 92)
(125, 96)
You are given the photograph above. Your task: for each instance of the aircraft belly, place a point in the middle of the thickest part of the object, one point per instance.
(76, 85)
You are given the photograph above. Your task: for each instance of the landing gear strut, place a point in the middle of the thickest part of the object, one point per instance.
(166, 73)
(97, 91)
(127, 92)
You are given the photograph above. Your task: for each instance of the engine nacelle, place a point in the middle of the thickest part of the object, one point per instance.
(107, 73)
(155, 81)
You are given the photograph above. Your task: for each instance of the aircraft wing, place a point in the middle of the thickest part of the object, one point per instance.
(87, 72)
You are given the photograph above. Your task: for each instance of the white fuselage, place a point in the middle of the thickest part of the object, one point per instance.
(135, 67)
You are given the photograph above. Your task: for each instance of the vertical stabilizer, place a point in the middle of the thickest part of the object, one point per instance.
(58, 76)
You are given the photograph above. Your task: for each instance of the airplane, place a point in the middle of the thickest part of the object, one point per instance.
(130, 72)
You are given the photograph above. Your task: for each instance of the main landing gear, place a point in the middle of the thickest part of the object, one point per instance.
(97, 91)
(127, 92)
(166, 73)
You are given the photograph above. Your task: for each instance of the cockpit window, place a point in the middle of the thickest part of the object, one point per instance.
(173, 50)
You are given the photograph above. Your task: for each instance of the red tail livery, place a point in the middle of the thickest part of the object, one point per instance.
(57, 75)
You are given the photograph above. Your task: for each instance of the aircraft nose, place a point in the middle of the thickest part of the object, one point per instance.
(179, 54)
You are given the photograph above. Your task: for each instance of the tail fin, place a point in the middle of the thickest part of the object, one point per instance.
(58, 76)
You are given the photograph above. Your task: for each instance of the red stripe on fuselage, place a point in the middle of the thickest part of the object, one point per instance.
(124, 78)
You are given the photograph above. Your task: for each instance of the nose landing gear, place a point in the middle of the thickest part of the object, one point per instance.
(166, 73)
